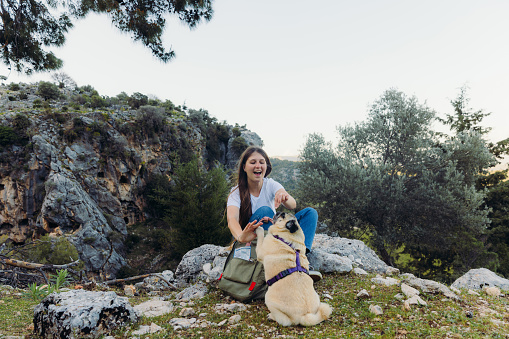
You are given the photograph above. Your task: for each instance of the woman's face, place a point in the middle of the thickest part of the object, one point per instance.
(255, 167)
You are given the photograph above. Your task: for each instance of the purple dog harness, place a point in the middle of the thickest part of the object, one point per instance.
(288, 271)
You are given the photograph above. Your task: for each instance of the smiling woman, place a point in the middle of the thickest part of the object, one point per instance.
(253, 201)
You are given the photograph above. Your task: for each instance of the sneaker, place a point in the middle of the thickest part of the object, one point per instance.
(315, 275)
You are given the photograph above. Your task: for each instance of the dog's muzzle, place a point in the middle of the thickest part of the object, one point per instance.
(292, 226)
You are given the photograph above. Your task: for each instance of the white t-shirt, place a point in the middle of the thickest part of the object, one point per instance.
(266, 197)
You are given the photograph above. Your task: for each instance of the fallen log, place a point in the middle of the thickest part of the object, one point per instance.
(34, 266)
(118, 281)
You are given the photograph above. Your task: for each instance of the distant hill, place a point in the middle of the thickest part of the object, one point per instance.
(285, 172)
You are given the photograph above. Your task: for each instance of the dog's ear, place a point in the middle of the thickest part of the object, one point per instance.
(292, 226)
(279, 215)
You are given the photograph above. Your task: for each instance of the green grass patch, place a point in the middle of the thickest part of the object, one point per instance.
(351, 318)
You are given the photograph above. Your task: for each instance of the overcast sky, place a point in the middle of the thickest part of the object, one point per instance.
(288, 68)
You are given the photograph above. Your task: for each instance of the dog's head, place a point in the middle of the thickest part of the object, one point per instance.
(287, 227)
(287, 221)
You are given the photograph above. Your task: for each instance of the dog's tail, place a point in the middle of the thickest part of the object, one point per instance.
(324, 311)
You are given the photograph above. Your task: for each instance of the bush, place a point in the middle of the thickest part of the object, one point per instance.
(48, 91)
(7, 136)
(137, 100)
(239, 145)
(14, 87)
(151, 120)
(49, 250)
(197, 206)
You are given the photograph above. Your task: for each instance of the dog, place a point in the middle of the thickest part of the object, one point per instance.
(291, 297)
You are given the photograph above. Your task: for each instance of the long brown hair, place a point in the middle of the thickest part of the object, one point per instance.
(245, 197)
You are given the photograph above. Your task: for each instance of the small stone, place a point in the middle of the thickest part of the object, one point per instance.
(408, 290)
(185, 312)
(472, 292)
(363, 294)
(375, 309)
(492, 291)
(129, 290)
(406, 306)
(469, 314)
(359, 271)
(234, 319)
(399, 296)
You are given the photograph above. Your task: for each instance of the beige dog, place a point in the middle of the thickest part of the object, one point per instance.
(291, 298)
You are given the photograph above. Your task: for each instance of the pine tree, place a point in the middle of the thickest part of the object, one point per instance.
(29, 26)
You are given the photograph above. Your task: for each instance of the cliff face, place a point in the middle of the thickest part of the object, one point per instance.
(78, 172)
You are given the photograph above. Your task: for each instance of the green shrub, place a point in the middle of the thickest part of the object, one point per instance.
(37, 103)
(137, 100)
(239, 145)
(14, 87)
(7, 136)
(21, 123)
(48, 91)
(49, 250)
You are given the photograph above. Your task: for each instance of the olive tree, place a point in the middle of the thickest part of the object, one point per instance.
(392, 179)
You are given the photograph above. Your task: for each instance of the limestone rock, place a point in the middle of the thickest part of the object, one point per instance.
(492, 291)
(363, 294)
(328, 262)
(477, 278)
(196, 291)
(192, 262)
(428, 286)
(408, 291)
(144, 329)
(388, 281)
(359, 271)
(416, 300)
(81, 314)
(154, 308)
(375, 309)
(357, 249)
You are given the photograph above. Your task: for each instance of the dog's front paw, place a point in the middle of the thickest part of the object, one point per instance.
(260, 232)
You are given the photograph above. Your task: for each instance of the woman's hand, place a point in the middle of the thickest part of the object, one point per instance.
(248, 234)
(281, 197)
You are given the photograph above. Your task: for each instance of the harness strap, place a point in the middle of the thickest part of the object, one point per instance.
(288, 271)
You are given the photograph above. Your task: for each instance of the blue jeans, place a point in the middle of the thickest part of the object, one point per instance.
(307, 218)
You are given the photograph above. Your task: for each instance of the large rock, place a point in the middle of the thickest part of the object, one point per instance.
(359, 254)
(478, 278)
(428, 286)
(193, 261)
(81, 314)
(328, 263)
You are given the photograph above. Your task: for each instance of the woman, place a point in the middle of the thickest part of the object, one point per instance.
(253, 202)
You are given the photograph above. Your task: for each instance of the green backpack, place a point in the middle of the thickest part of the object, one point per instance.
(243, 275)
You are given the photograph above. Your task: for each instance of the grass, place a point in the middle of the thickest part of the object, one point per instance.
(441, 318)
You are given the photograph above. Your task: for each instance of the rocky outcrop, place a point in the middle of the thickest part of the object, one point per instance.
(81, 173)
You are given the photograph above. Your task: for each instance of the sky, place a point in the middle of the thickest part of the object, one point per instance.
(289, 68)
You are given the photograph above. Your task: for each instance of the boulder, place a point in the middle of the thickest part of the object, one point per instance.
(192, 263)
(327, 262)
(362, 255)
(477, 278)
(81, 314)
